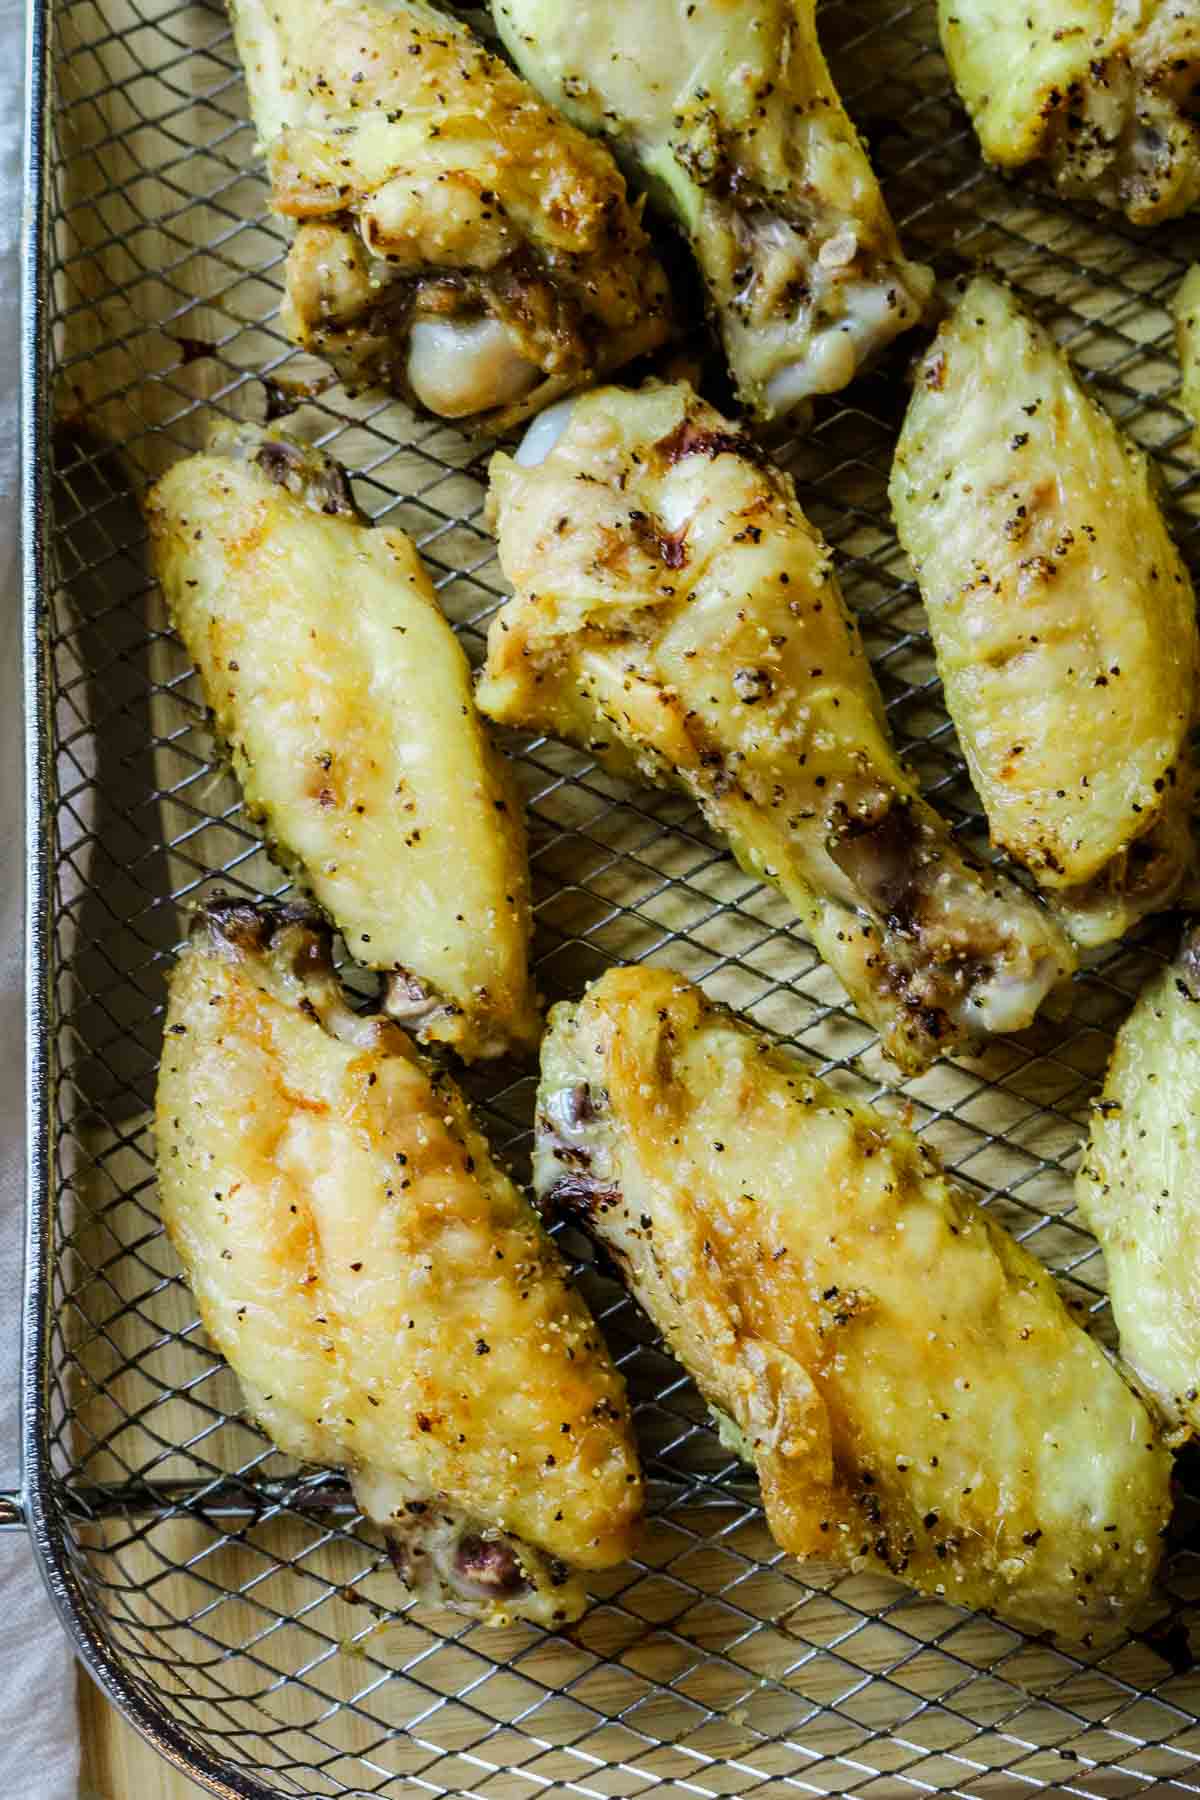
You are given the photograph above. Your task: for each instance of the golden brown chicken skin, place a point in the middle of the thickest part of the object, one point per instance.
(676, 614)
(387, 1297)
(457, 241)
(730, 118)
(345, 701)
(1061, 613)
(1104, 93)
(904, 1376)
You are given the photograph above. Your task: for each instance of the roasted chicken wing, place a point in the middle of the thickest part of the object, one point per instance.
(676, 614)
(345, 701)
(729, 116)
(1061, 613)
(1186, 308)
(1138, 1186)
(912, 1390)
(458, 242)
(386, 1296)
(1105, 93)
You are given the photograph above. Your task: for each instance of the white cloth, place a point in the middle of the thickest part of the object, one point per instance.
(39, 1733)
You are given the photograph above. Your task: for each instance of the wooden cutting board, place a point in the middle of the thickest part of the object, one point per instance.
(117, 1764)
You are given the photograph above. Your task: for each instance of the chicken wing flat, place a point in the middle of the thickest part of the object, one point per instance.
(1104, 93)
(386, 1296)
(346, 704)
(1186, 308)
(729, 116)
(1061, 612)
(905, 1377)
(457, 242)
(1137, 1186)
(676, 614)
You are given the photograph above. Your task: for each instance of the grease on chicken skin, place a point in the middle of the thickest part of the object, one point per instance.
(385, 1294)
(730, 117)
(1104, 93)
(676, 614)
(346, 703)
(1061, 613)
(905, 1377)
(1137, 1186)
(457, 242)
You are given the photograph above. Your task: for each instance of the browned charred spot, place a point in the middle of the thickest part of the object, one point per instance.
(1187, 963)
(490, 1567)
(251, 927)
(692, 439)
(317, 480)
(284, 396)
(578, 1193)
(579, 1106)
(935, 372)
(881, 857)
(409, 999)
(191, 350)
(670, 548)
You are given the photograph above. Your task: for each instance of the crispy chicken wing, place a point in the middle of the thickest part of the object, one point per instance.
(1186, 309)
(1138, 1186)
(676, 613)
(1105, 93)
(457, 242)
(729, 115)
(346, 704)
(386, 1296)
(907, 1381)
(1061, 613)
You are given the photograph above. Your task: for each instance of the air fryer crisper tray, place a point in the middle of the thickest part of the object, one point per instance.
(228, 1601)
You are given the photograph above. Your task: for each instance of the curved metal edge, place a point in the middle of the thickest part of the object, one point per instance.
(36, 1501)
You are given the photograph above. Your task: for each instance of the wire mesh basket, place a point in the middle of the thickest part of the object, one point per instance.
(233, 1604)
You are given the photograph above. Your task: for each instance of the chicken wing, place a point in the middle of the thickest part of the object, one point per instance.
(1061, 613)
(345, 701)
(1105, 93)
(912, 1390)
(729, 116)
(1186, 308)
(457, 241)
(676, 614)
(386, 1296)
(1137, 1186)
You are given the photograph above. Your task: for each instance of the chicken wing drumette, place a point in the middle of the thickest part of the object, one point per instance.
(904, 1376)
(1104, 93)
(676, 614)
(1061, 612)
(345, 701)
(457, 242)
(388, 1299)
(729, 116)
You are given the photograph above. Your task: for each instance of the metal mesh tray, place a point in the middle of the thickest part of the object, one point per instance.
(232, 1604)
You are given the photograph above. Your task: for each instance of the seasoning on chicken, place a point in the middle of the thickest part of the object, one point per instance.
(677, 615)
(386, 1296)
(345, 701)
(907, 1381)
(1137, 1187)
(1104, 93)
(1061, 613)
(729, 117)
(457, 242)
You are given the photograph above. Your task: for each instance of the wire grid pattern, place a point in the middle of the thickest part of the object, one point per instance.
(240, 1598)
